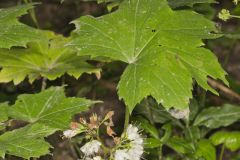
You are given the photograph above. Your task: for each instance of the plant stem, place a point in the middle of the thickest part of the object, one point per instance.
(234, 16)
(222, 152)
(76, 148)
(160, 153)
(127, 115)
(44, 83)
(202, 100)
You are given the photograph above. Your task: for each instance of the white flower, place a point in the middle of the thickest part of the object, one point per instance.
(97, 158)
(69, 133)
(94, 158)
(135, 150)
(91, 147)
(179, 114)
(121, 155)
(132, 132)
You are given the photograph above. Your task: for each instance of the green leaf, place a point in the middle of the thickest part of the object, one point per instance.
(231, 140)
(190, 3)
(26, 142)
(180, 145)
(168, 131)
(152, 143)
(162, 48)
(3, 112)
(215, 117)
(206, 150)
(48, 58)
(146, 126)
(2, 154)
(155, 112)
(50, 108)
(192, 133)
(13, 32)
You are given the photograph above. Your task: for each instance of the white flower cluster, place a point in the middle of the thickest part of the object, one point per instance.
(135, 151)
(90, 148)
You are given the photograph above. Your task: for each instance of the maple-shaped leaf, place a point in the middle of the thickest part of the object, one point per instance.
(47, 58)
(14, 33)
(49, 107)
(162, 48)
(26, 142)
(173, 3)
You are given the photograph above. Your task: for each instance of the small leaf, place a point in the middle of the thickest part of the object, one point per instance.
(206, 150)
(192, 133)
(147, 126)
(26, 142)
(48, 58)
(215, 117)
(231, 140)
(168, 131)
(161, 47)
(152, 143)
(13, 32)
(49, 107)
(180, 145)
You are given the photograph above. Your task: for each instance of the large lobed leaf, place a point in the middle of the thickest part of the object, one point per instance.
(215, 117)
(50, 108)
(46, 112)
(172, 3)
(162, 48)
(48, 58)
(26, 142)
(14, 33)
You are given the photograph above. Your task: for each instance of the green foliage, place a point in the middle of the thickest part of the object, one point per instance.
(147, 126)
(156, 52)
(161, 43)
(3, 112)
(215, 117)
(26, 142)
(180, 145)
(16, 33)
(47, 112)
(230, 140)
(50, 108)
(206, 150)
(47, 58)
(152, 143)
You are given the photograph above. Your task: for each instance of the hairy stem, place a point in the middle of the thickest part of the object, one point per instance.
(222, 152)
(127, 115)
(44, 83)
(160, 156)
